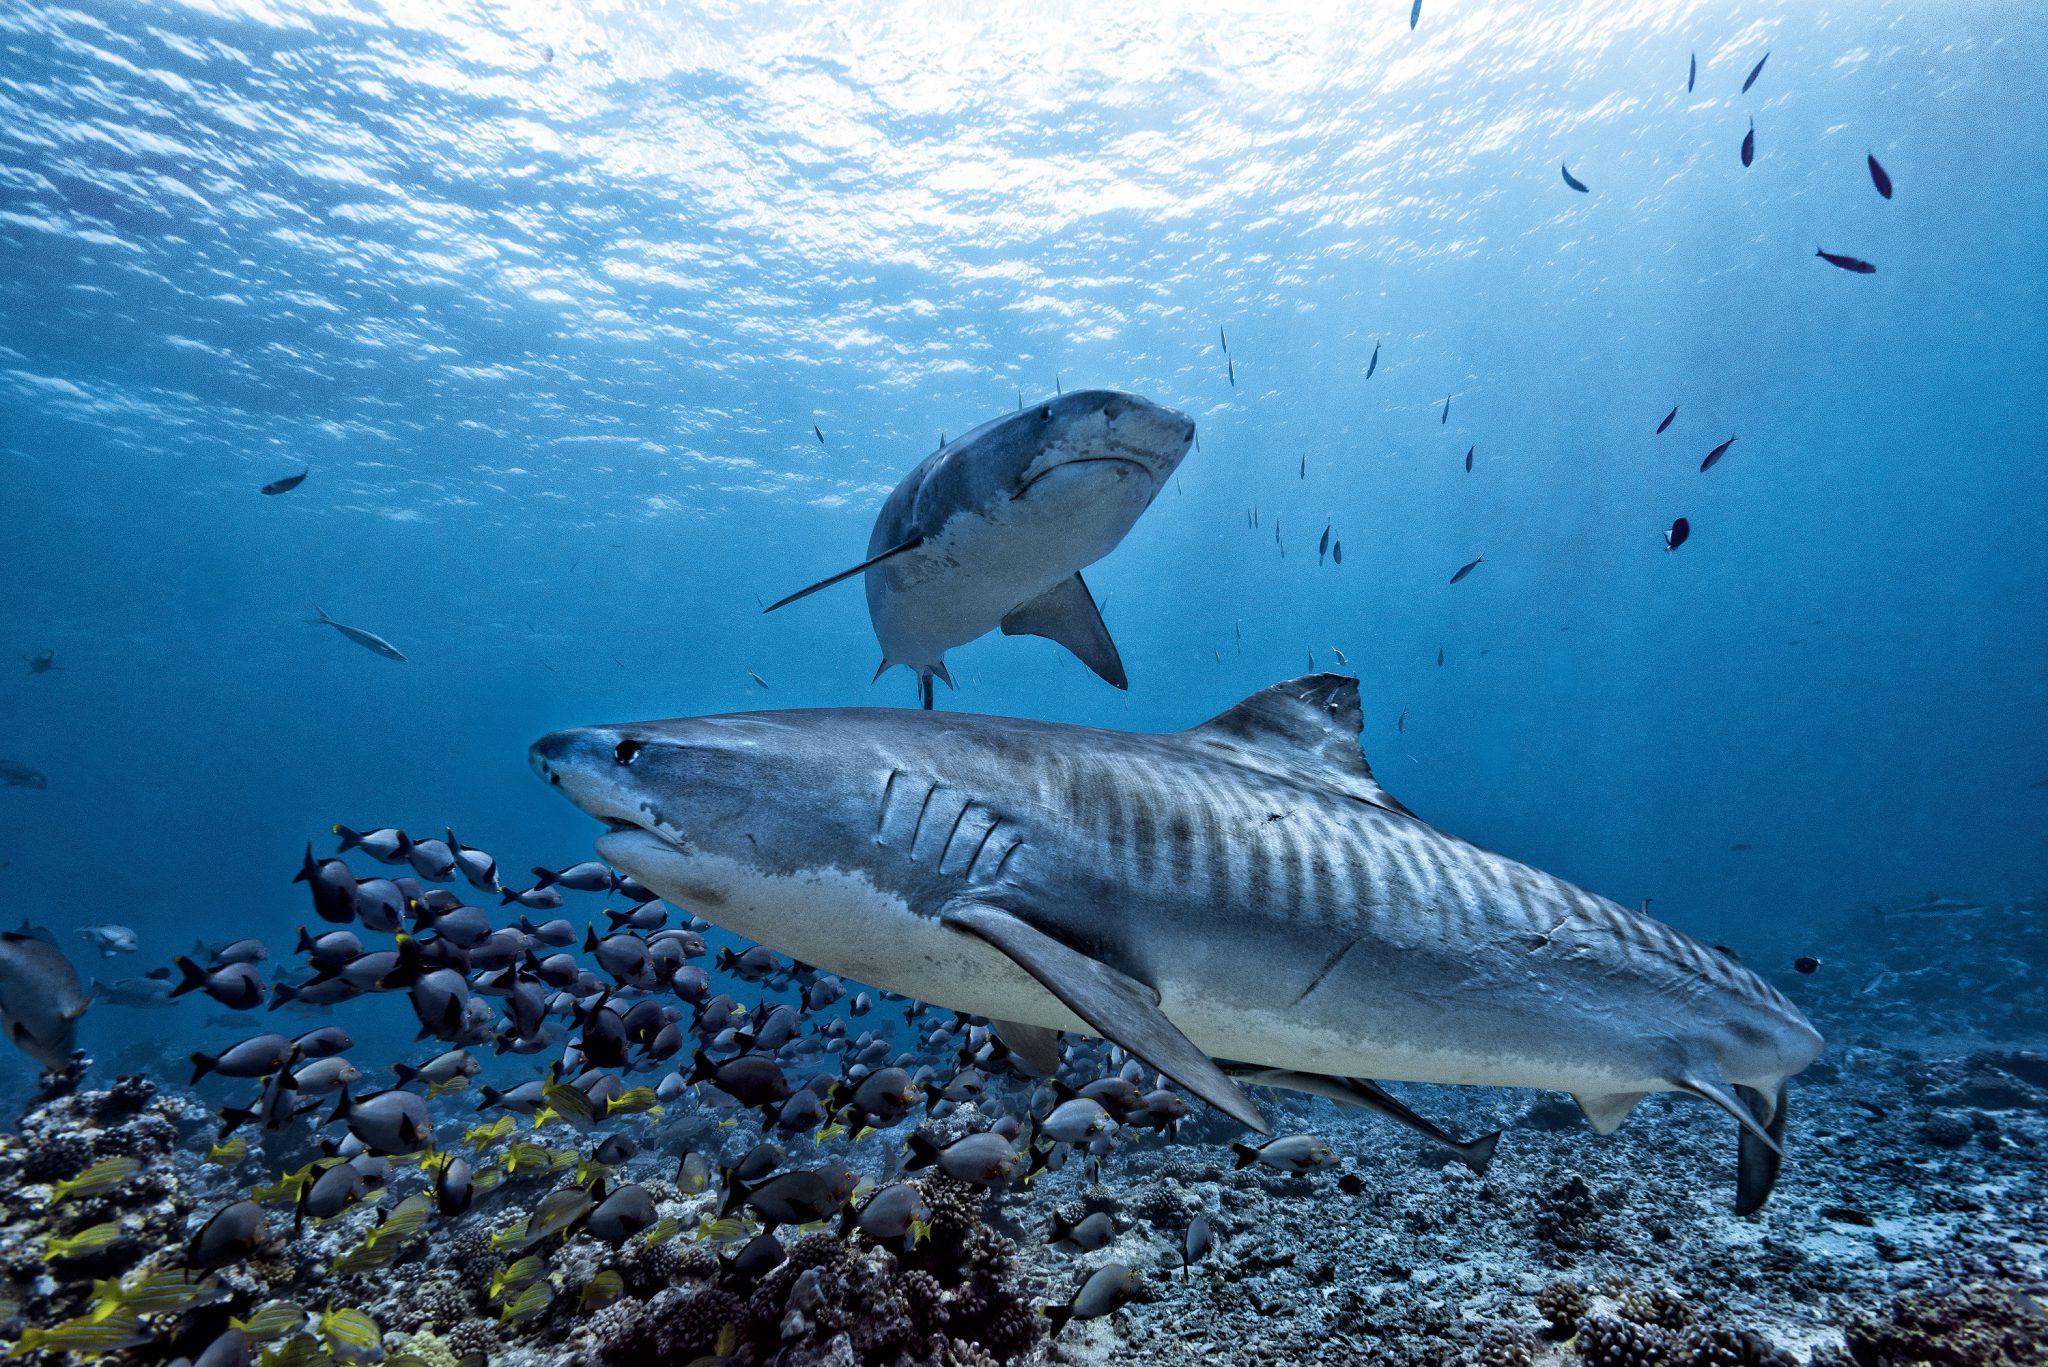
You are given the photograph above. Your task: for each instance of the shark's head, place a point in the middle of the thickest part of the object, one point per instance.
(686, 804)
(1122, 435)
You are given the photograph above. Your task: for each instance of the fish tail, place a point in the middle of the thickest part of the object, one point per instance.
(320, 619)
(1058, 1315)
(348, 838)
(202, 1064)
(923, 1153)
(1246, 1155)
(192, 976)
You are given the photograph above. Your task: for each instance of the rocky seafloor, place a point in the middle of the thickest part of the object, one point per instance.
(1909, 1225)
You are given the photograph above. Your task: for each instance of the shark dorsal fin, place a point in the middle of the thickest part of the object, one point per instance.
(1304, 729)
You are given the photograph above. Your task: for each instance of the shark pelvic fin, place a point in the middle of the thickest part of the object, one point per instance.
(1305, 729)
(1718, 1092)
(1125, 1011)
(1606, 1110)
(1036, 1045)
(861, 568)
(1757, 1162)
(1366, 1094)
(1066, 613)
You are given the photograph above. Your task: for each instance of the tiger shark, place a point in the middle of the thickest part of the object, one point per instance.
(1244, 890)
(993, 530)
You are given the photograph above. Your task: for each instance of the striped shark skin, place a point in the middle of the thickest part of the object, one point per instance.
(992, 531)
(1242, 891)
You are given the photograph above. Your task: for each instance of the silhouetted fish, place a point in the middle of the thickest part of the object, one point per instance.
(1675, 537)
(1323, 546)
(1805, 963)
(1715, 455)
(1754, 72)
(1573, 180)
(1468, 458)
(1414, 15)
(1847, 263)
(1232, 367)
(1373, 364)
(1878, 177)
(821, 436)
(1337, 552)
(1464, 570)
(1667, 420)
(1749, 144)
(291, 482)
(757, 679)
(1439, 657)
(1224, 338)
(1692, 72)
(1447, 412)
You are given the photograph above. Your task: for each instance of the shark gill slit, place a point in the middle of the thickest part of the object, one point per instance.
(910, 848)
(882, 809)
(952, 831)
(981, 845)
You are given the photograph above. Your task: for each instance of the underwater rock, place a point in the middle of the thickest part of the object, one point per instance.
(1946, 1130)
(1975, 1326)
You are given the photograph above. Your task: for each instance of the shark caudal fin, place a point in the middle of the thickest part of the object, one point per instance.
(1066, 614)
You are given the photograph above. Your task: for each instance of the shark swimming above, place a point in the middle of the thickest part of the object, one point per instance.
(993, 530)
(1243, 891)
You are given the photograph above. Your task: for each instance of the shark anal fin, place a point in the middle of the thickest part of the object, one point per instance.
(1066, 613)
(1123, 1010)
(1036, 1045)
(1606, 1110)
(861, 568)
(1757, 1163)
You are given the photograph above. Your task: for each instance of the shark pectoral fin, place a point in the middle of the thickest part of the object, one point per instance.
(862, 568)
(1123, 1010)
(1757, 1163)
(1066, 613)
(1606, 1110)
(1036, 1045)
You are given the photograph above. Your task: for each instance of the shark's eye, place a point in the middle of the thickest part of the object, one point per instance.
(627, 749)
(1045, 415)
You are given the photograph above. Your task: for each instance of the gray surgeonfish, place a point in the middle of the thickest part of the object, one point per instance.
(258, 1056)
(1034, 874)
(109, 940)
(1084, 1235)
(41, 998)
(1295, 1154)
(992, 531)
(1105, 1291)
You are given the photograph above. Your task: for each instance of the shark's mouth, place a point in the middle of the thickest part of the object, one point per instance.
(1137, 465)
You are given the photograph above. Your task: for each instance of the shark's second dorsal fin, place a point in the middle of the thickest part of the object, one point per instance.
(1305, 729)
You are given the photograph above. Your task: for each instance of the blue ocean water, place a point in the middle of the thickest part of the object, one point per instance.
(549, 301)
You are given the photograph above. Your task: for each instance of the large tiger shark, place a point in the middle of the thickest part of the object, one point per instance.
(1243, 891)
(993, 530)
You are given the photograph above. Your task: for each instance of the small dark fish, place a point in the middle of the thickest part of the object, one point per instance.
(1847, 263)
(1739, 846)
(1414, 15)
(1304, 465)
(1323, 546)
(1668, 417)
(1401, 722)
(1231, 364)
(1373, 364)
(1692, 72)
(1878, 177)
(1749, 144)
(1675, 536)
(821, 436)
(1195, 1245)
(42, 662)
(1337, 552)
(1463, 570)
(1224, 338)
(1715, 455)
(1754, 72)
(1447, 412)
(1573, 180)
(1112, 1284)
(291, 482)
(1468, 458)
(758, 679)
(1439, 657)
(1805, 963)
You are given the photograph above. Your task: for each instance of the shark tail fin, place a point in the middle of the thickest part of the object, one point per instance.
(320, 618)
